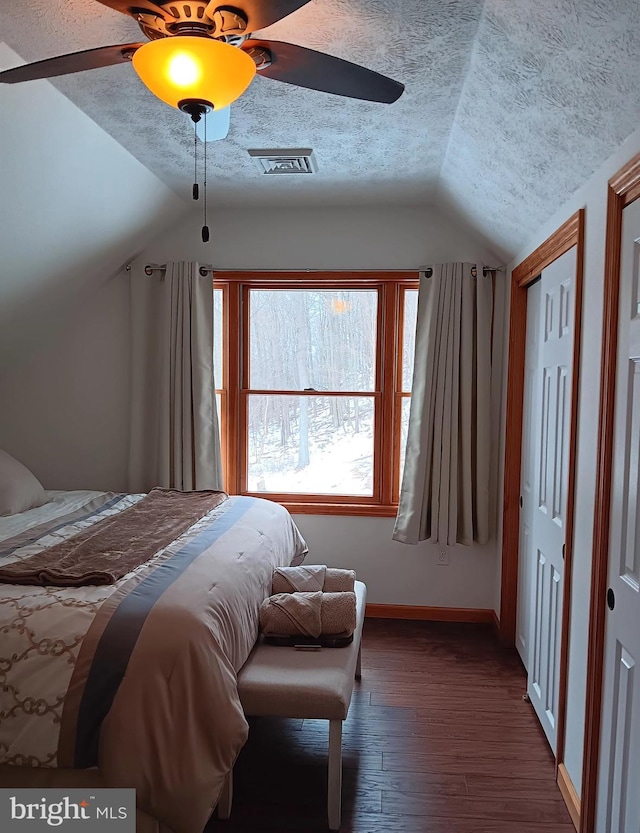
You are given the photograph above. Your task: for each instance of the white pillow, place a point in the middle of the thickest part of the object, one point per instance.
(19, 488)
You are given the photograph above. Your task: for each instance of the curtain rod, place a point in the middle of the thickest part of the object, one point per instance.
(428, 270)
(150, 268)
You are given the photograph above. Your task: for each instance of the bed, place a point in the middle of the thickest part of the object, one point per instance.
(134, 683)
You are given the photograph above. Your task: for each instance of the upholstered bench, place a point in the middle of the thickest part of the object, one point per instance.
(278, 681)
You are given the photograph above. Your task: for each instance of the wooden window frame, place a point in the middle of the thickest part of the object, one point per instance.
(387, 395)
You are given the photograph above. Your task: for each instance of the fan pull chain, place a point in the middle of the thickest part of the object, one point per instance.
(196, 189)
(205, 227)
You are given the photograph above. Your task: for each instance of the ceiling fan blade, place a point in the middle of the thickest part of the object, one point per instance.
(217, 124)
(103, 56)
(131, 6)
(259, 13)
(318, 71)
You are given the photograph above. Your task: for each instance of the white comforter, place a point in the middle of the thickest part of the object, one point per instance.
(172, 724)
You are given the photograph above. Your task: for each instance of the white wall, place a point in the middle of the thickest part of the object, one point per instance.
(65, 391)
(593, 197)
(320, 238)
(340, 239)
(73, 207)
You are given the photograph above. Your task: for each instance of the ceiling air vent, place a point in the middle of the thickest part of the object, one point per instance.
(284, 161)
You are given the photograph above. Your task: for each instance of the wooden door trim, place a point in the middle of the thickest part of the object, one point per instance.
(623, 189)
(568, 235)
(569, 795)
(553, 247)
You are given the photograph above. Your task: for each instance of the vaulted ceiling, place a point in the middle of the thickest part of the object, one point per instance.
(509, 104)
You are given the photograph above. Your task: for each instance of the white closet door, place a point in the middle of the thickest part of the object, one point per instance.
(552, 407)
(618, 809)
(529, 434)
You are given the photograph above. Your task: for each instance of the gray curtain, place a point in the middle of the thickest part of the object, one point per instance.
(444, 496)
(175, 440)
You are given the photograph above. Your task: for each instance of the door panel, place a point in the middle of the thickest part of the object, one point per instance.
(526, 553)
(622, 712)
(535, 673)
(555, 579)
(629, 560)
(618, 807)
(551, 457)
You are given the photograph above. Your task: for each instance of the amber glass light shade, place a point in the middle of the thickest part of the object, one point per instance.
(183, 68)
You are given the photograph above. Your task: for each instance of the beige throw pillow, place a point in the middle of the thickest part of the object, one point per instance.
(19, 488)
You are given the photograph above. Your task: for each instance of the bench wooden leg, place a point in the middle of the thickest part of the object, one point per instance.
(334, 797)
(226, 797)
(359, 662)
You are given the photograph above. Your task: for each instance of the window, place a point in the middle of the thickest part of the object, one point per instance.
(313, 383)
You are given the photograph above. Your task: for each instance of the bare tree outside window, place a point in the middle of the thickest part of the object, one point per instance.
(410, 298)
(318, 342)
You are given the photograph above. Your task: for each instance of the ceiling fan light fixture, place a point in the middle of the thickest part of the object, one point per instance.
(191, 68)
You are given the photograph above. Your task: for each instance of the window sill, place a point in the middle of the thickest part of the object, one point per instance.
(374, 510)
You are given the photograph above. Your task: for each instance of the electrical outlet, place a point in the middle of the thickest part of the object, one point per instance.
(442, 559)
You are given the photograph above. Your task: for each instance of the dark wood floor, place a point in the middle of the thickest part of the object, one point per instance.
(438, 740)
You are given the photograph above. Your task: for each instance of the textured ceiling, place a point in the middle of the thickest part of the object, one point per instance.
(509, 104)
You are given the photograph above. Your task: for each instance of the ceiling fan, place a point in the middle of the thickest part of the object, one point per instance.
(200, 56)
